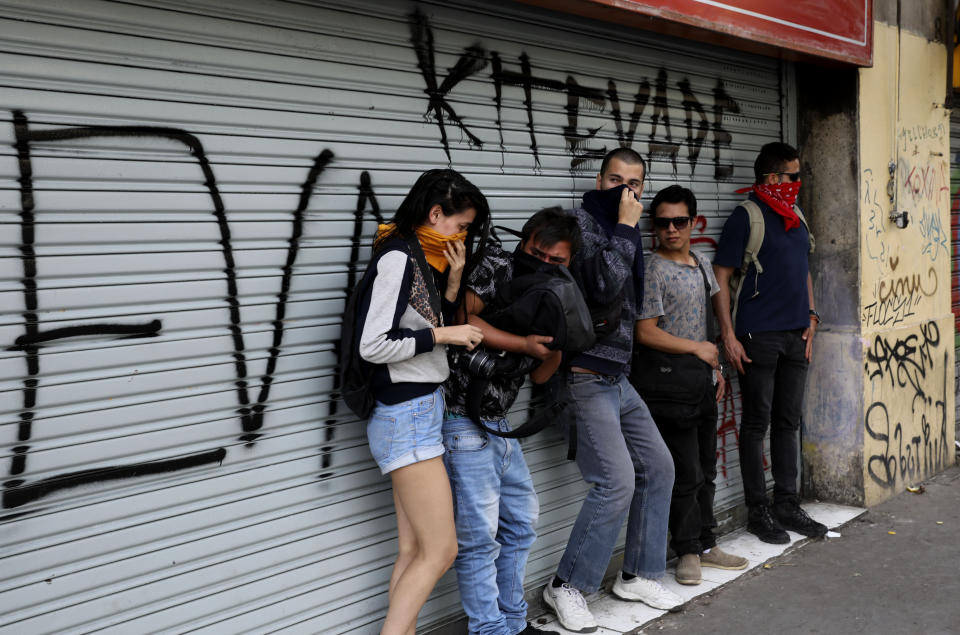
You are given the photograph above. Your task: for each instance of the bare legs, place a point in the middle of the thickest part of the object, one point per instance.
(427, 540)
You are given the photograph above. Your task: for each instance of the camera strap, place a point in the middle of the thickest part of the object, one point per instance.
(547, 415)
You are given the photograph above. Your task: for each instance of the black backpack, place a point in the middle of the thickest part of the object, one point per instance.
(546, 301)
(355, 373)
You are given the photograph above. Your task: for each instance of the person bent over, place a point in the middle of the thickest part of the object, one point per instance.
(495, 504)
(619, 450)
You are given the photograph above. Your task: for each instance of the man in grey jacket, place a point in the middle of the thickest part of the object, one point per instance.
(619, 450)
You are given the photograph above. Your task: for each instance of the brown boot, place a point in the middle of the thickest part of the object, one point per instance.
(688, 569)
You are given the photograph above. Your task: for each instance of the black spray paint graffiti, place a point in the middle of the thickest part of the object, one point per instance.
(906, 363)
(366, 196)
(893, 311)
(255, 422)
(582, 144)
(911, 459)
(17, 491)
(472, 61)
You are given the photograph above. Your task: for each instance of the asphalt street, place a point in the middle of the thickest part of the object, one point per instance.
(895, 569)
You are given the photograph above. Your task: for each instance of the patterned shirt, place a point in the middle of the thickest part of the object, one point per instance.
(493, 272)
(674, 292)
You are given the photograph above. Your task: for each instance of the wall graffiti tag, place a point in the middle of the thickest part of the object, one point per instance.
(366, 196)
(17, 491)
(909, 428)
(582, 142)
(616, 109)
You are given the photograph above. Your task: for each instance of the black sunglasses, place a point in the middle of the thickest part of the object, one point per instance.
(793, 176)
(680, 222)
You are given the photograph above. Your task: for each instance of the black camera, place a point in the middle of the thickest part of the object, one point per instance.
(482, 363)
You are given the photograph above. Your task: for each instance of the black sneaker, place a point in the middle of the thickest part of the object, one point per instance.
(765, 527)
(530, 630)
(792, 517)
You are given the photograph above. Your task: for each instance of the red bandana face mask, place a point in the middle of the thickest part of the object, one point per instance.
(781, 198)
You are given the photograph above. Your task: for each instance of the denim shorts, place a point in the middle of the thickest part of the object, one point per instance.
(407, 432)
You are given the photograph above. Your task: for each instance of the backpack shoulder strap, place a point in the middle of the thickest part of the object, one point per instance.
(755, 237)
(754, 242)
(711, 335)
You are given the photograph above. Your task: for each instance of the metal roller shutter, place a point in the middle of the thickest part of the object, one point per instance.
(186, 194)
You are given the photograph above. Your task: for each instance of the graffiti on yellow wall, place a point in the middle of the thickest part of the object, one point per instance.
(906, 324)
(907, 435)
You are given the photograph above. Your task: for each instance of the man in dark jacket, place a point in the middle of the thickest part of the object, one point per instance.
(619, 450)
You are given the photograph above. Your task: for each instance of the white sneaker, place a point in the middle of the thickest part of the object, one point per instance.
(570, 607)
(648, 591)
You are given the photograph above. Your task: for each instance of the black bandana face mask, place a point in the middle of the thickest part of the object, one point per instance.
(524, 263)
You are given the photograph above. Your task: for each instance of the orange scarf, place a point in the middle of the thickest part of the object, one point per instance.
(433, 244)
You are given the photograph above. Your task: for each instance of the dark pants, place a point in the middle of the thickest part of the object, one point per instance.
(772, 393)
(693, 446)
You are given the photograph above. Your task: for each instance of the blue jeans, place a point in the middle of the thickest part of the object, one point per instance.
(495, 509)
(619, 452)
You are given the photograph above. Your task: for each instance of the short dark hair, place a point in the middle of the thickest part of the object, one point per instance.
(674, 194)
(550, 226)
(773, 158)
(627, 155)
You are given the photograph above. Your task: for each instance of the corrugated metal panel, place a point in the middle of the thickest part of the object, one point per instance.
(187, 192)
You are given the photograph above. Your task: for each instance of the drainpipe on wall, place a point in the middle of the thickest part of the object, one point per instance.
(951, 19)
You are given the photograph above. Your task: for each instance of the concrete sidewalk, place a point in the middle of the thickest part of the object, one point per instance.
(894, 569)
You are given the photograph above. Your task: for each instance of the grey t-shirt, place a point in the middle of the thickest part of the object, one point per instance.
(674, 292)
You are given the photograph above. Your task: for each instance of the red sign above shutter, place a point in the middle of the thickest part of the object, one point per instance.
(835, 29)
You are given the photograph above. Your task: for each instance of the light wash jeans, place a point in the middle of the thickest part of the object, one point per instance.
(621, 454)
(495, 508)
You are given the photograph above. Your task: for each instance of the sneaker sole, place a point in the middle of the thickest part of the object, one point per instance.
(672, 609)
(717, 566)
(688, 581)
(553, 609)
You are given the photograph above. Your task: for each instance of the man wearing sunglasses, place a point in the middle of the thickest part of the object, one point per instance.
(769, 340)
(619, 450)
(673, 319)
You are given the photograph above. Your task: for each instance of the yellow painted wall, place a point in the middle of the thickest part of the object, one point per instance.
(906, 321)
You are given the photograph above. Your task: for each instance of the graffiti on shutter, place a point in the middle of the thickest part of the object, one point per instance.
(588, 110)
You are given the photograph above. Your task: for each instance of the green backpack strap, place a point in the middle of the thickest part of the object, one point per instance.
(813, 243)
(754, 241)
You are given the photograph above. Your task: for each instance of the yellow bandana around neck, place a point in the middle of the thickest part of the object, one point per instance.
(432, 242)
